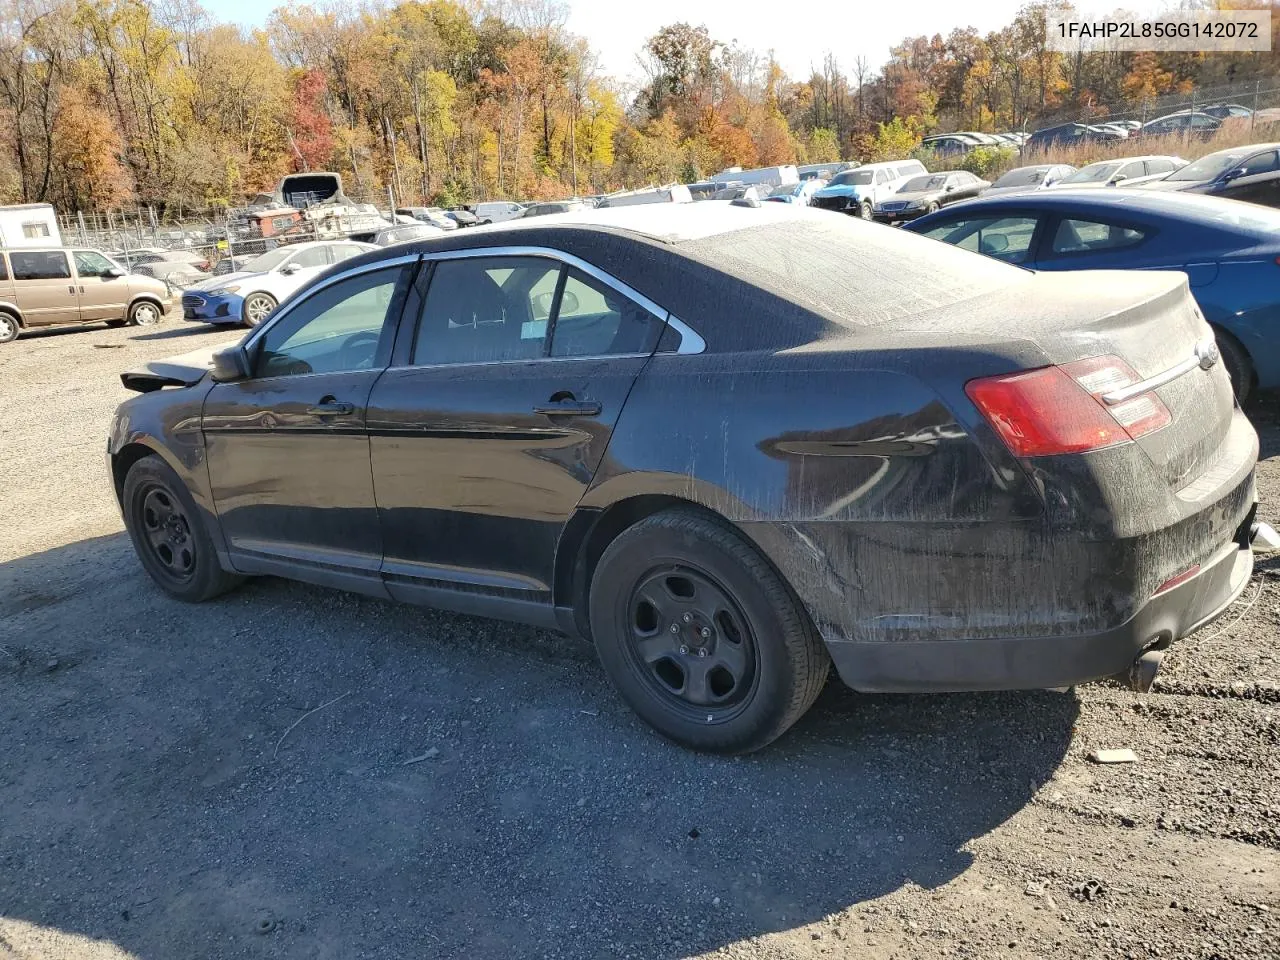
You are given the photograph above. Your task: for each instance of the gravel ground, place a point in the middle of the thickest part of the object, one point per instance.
(470, 788)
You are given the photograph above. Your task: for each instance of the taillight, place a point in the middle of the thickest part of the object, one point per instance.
(1055, 410)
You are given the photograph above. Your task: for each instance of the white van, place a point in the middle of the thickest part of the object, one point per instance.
(773, 176)
(857, 191)
(676, 193)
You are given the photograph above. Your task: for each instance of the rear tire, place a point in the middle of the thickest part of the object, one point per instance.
(9, 328)
(1236, 360)
(701, 637)
(168, 536)
(864, 210)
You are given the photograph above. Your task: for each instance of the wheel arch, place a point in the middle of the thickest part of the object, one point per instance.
(124, 458)
(13, 311)
(145, 296)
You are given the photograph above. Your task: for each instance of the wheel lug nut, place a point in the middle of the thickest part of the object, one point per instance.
(702, 651)
(675, 628)
(704, 633)
(683, 648)
(687, 618)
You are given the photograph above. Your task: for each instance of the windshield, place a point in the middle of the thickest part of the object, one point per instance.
(1022, 176)
(1093, 173)
(267, 261)
(855, 178)
(1206, 168)
(916, 184)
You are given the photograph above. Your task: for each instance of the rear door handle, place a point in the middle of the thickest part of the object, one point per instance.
(569, 408)
(331, 408)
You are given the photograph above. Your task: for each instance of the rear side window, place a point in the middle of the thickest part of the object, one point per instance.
(595, 320)
(1089, 236)
(40, 265)
(313, 257)
(486, 310)
(4, 268)
(1261, 163)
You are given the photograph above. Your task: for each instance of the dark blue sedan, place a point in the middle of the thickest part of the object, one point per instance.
(1229, 250)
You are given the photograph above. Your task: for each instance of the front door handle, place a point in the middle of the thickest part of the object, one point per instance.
(71, 288)
(569, 408)
(328, 407)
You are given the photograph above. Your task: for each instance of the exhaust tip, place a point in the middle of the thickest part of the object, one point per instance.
(1142, 675)
(1264, 539)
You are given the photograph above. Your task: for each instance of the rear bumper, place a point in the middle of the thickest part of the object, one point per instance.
(1036, 662)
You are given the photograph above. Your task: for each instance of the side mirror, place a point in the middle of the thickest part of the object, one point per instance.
(1235, 174)
(949, 188)
(289, 269)
(113, 273)
(231, 365)
(1118, 178)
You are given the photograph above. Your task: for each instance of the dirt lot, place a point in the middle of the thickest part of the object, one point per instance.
(157, 801)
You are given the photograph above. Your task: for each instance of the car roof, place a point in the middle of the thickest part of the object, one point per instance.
(1145, 156)
(1152, 203)
(1245, 148)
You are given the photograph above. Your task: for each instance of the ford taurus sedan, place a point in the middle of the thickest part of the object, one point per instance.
(730, 445)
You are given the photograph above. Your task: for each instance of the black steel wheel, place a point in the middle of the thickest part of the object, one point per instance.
(168, 535)
(701, 636)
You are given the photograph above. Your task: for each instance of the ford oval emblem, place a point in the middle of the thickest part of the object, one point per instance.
(1207, 353)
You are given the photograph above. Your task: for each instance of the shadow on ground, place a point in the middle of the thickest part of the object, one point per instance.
(476, 791)
(190, 330)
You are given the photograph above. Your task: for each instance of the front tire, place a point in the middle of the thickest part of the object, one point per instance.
(144, 313)
(257, 307)
(9, 328)
(168, 536)
(864, 210)
(701, 637)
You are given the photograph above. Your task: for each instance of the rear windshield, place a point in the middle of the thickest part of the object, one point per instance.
(854, 178)
(855, 274)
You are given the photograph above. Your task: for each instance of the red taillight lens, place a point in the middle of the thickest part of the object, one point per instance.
(1055, 410)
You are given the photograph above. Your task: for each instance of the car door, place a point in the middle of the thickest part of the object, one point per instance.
(959, 186)
(1085, 242)
(1133, 170)
(43, 288)
(491, 422)
(101, 286)
(1258, 183)
(287, 449)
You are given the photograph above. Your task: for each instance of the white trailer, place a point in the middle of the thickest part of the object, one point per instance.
(29, 225)
(772, 176)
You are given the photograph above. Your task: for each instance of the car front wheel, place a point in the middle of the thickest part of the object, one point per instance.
(144, 313)
(864, 210)
(257, 307)
(701, 637)
(8, 327)
(168, 536)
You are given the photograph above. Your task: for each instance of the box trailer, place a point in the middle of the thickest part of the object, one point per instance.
(29, 225)
(768, 176)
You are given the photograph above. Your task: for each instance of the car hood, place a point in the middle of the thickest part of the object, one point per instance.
(1172, 184)
(915, 195)
(184, 370)
(843, 190)
(1000, 191)
(213, 283)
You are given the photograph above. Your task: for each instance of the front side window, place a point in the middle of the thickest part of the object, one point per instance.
(345, 251)
(343, 327)
(312, 257)
(595, 320)
(1005, 238)
(1089, 236)
(1159, 165)
(486, 310)
(40, 265)
(1134, 168)
(90, 263)
(4, 268)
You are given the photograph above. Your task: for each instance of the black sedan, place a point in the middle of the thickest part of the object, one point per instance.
(1249, 173)
(927, 193)
(730, 445)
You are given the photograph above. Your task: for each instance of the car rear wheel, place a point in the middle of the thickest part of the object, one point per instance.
(1236, 360)
(8, 327)
(257, 307)
(144, 313)
(168, 536)
(864, 210)
(701, 637)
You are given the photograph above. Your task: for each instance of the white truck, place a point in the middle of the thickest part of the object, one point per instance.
(29, 225)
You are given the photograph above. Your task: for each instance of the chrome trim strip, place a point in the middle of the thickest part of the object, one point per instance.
(1159, 380)
(690, 340)
(282, 312)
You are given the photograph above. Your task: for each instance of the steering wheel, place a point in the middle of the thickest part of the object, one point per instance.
(358, 350)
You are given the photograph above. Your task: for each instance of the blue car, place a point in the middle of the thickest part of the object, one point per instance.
(207, 307)
(1229, 250)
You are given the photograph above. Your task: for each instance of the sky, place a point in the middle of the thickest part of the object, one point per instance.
(799, 36)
